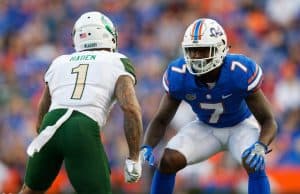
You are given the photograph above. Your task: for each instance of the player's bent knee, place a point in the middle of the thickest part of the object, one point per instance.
(172, 161)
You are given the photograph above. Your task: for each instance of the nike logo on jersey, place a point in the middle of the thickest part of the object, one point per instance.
(226, 96)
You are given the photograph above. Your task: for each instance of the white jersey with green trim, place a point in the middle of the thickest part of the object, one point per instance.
(85, 81)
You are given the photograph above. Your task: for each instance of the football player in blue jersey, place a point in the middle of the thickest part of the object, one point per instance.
(233, 114)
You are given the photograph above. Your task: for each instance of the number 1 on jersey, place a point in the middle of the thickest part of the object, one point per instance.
(81, 71)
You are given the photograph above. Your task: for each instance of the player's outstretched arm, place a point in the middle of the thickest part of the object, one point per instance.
(128, 102)
(127, 99)
(157, 127)
(43, 106)
(261, 109)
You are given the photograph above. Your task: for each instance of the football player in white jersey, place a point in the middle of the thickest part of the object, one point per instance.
(223, 89)
(80, 90)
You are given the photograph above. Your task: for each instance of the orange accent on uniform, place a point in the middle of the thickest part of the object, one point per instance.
(200, 29)
(258, 85)
(254, 75)
(192, 35)
(166, 79)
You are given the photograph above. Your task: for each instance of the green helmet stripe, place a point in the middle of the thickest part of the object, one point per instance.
(107, 26)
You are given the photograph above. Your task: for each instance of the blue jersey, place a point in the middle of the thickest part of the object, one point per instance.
(224, 104)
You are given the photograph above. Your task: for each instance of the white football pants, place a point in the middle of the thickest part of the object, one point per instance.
(198, 141)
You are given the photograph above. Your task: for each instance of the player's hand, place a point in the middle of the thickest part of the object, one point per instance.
(133, 170)
(254, 156)
(147, 154)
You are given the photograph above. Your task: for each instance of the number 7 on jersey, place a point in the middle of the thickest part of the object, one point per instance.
(217, 108)
(81, 71)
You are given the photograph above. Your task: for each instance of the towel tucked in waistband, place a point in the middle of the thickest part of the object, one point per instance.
(38, 142)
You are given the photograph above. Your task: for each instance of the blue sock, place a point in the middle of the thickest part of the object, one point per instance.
(258, 183)
(162, 183)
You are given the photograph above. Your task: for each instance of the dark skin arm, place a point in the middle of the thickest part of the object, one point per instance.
(261, 109)
(43, 106)
(157, 127)
(125, 94)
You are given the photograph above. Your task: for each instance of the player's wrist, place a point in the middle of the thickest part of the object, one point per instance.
(266, 148)
(134, 160)
(146, 146)
(134, 157)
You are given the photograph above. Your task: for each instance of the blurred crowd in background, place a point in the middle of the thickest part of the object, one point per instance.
(34, 32)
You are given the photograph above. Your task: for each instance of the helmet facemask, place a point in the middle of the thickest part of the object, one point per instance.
(205, 63)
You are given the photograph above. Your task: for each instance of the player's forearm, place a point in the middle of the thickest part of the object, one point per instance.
(43, 107)
(42, 110)
(155, 132)
(125, 94)
(268, 131)
(261, 109)
(157, 127)
(133, 131)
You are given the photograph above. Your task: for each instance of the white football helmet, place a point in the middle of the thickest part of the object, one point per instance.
(204, 33)
(94, 30)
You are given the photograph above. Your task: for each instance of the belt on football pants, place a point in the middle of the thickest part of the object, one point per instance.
(38, 142)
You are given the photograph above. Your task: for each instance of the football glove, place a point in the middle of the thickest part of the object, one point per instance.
(255, 156)
(147, 154)
(132, 170)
